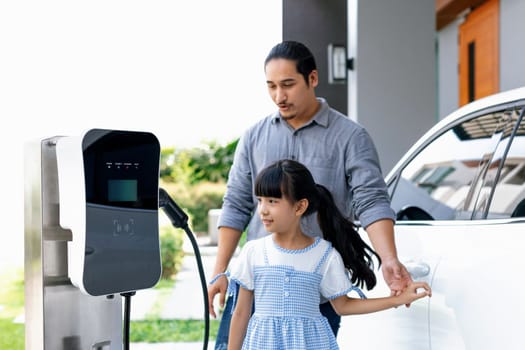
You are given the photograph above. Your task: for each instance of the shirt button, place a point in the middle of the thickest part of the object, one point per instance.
(286, 294)
(287, 279)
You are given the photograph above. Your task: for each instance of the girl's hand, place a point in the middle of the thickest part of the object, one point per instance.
(413, 292)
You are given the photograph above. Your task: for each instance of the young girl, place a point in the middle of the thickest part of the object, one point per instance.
(287, 272)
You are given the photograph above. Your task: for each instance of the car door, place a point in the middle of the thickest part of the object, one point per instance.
(436, 192)
(477, 285)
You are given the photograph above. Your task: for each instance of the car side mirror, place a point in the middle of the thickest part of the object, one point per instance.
(413, 213)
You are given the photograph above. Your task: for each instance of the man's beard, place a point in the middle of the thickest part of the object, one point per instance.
(288, 117)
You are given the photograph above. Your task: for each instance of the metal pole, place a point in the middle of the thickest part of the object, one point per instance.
(57, 315)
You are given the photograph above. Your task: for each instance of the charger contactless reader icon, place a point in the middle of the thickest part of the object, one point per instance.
(109, 199)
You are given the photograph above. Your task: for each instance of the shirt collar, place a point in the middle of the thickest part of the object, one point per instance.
(320, 118)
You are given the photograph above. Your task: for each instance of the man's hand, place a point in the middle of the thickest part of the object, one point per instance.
(219, 287)
(228, 242)
(396, 276)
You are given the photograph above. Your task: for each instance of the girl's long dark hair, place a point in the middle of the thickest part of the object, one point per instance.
(291, 179)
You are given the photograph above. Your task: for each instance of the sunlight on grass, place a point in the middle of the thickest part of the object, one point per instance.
(11, 306)
(11, 292)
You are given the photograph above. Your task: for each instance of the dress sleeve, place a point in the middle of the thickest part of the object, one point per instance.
(335, 281)
(242, 269)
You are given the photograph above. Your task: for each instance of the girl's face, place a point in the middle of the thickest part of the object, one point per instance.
(279, 215)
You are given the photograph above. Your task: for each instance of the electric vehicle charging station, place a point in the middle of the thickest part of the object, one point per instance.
(108, 191)
(91, 234)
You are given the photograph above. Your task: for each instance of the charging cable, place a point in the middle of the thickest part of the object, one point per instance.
(127, 313)
(179, 219)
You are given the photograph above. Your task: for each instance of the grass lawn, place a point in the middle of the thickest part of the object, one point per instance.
(160, 331)
(155, 330)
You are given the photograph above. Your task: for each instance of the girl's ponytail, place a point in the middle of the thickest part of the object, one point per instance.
(342, 233)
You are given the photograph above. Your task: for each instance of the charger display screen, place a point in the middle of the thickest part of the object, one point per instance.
(124, 190)
(121, 169)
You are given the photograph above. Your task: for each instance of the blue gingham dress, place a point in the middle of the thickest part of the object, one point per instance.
(288, 286)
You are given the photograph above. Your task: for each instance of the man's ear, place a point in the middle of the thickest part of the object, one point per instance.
(301, 206)
(313, 78)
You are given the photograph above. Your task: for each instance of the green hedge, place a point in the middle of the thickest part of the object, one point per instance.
(196, 178)
(171, 251)
(196, 200)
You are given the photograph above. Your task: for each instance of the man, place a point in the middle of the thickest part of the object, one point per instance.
(339, 153)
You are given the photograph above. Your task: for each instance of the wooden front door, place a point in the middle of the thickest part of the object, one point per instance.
(479, 53)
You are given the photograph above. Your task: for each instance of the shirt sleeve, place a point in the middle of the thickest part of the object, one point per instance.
(238, 203)
(335, 281)
(370, 198)
(242, 269)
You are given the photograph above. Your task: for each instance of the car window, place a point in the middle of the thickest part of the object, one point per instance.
(491, 166)
(509, 194)
(451, 178)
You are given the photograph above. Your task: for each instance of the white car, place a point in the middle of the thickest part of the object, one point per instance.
(459, 194)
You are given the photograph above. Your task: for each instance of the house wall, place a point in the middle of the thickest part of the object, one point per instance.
(392, 91)
(512, 52)
(317, 24)
(447, 69)
(406, 75)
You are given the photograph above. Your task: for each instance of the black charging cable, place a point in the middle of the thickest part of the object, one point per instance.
(179, 219)
(127, 315)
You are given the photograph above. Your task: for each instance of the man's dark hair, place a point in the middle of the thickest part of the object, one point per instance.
(294, 51)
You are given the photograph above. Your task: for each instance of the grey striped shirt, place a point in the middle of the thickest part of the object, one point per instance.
(339, 153)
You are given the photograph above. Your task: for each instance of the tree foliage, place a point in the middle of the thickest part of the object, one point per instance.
(196, 178)
(210, 163)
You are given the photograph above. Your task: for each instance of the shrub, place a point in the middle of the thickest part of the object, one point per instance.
(171, 240)
(204, 198)
(196, 178)
(196, 200)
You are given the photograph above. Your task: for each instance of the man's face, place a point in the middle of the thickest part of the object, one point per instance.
(289, 91)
